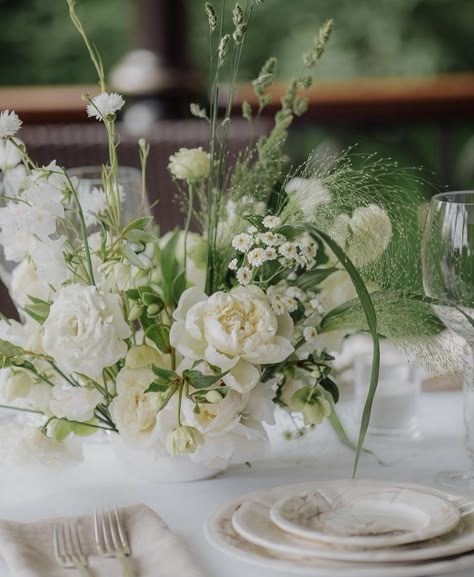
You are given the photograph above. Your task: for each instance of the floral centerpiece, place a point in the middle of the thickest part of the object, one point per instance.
(185, 343)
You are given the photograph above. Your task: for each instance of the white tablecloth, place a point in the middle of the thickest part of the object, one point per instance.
(100, 480)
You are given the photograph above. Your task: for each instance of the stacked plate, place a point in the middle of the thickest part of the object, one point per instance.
(356, 528)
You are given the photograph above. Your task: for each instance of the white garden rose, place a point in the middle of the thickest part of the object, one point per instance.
(74, 403)
(190, 164)
(85, 330)
(234, 331)
(134, 411)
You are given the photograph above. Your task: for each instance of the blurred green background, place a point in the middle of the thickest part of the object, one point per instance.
(38, 45)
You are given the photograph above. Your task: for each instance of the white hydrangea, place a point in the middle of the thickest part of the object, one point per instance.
(242, 242)
(105, 105)
(190, 164)
(10, 123)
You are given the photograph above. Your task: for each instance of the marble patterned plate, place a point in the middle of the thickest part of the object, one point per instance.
(365, 515)
(252, 522)
(221, 534)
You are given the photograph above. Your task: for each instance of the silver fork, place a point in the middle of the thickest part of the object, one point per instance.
(67, 548)
(111, 539)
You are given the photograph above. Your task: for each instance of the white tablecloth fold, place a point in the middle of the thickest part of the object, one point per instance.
(27, 548)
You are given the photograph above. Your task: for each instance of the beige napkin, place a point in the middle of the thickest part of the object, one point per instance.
(27, 548)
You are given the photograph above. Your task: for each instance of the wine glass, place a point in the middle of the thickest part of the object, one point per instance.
(448, 279)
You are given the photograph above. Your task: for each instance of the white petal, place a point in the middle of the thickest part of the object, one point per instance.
(243, 377)
(217, 359)
(189, 298)
(275, 352)
(184, 343)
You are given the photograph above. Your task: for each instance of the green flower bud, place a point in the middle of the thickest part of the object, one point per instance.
(183, 439)
(135, 312)
(315, 412)
(153, 310)
(213, 396)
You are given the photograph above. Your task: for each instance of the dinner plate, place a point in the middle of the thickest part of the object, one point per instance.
(365, 514)
(252, 522)
(221, 534)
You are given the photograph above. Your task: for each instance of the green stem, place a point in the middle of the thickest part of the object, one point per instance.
(70, 380)
(21, 409)
(188, 224)
(180, 401)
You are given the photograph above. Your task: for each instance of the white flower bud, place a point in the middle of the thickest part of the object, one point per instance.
(183, 439)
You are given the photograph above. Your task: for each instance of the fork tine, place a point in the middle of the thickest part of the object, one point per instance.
(121, 531)
(77, 544)
(98, 540)
(114, 533)
(108, 544)
(57, 553)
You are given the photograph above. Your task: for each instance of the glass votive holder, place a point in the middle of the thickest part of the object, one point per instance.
(395, 410)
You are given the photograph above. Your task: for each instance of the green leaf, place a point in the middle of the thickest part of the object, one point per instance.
(9, 350)
(371, 317)
(158, 387)
(133, 294)
(38, 310)
(165, 374)
(179, 286)
(330, 386)
(151, 298)
(140, 236)
(160, 335)
(169, 267)
(310, 279)
(139, 224)
(132, 257)
(200, 381)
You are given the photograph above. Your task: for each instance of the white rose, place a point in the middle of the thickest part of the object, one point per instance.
(22, 444)
(84, 331)
(26, 282)
(190, 164)
(134, 411)
(233, 331)
(74, 403)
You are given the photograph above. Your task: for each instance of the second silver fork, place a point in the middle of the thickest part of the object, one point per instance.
(111, 539)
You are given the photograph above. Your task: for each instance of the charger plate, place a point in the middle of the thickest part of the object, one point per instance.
(365, 514)
(222, 535)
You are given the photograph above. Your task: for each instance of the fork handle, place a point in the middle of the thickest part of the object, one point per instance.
(127, 570)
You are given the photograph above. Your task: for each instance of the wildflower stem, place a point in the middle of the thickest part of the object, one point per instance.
(188, 224)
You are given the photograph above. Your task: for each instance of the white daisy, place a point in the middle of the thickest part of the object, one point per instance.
(271, 221)
(242, 242)
(256, 257)
(233, 264)
(244, 275)
(10, 123)
(105, 105)
(289, 250)
(295, 293)
(277, 304)
(290, 303)
(270, 253)
(310, 334)
(252, 229)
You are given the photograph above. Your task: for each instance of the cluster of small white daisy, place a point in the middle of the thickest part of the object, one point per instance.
(286, 298)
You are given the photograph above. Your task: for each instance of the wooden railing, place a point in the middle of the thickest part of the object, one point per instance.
(439, 99)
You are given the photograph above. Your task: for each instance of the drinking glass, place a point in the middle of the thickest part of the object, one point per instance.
(448, 279)
(135, 203)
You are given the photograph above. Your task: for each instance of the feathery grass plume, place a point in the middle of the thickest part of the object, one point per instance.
(223, 48)
(211, 16)
(319, 45)
(198, 111)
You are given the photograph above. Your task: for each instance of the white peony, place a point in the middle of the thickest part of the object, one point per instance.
(74, 403)
(105, 105)
(190, 164)
(22, 444)
(134, 411)
(26, 282)
(10, 156)
(85, 330)
(233, 331)
(10, 123)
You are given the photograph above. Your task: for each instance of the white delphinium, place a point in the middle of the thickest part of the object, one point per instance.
(105, 105)
(271, 222)
(74, 403)
(10, 123)
(22, 444)
(244, 275)
(10, 156)
(190, 164)
(243, 242)
(235, 331)
(85, 330)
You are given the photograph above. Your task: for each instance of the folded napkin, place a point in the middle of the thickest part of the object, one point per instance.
(27, 548)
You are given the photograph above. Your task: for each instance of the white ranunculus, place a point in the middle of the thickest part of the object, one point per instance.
(74, 403)
(196, 262)
(190, 164)
(10, 156)
(22, 444)
(234, 331)
(85, 330)
(26, 282)
(134, 411)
